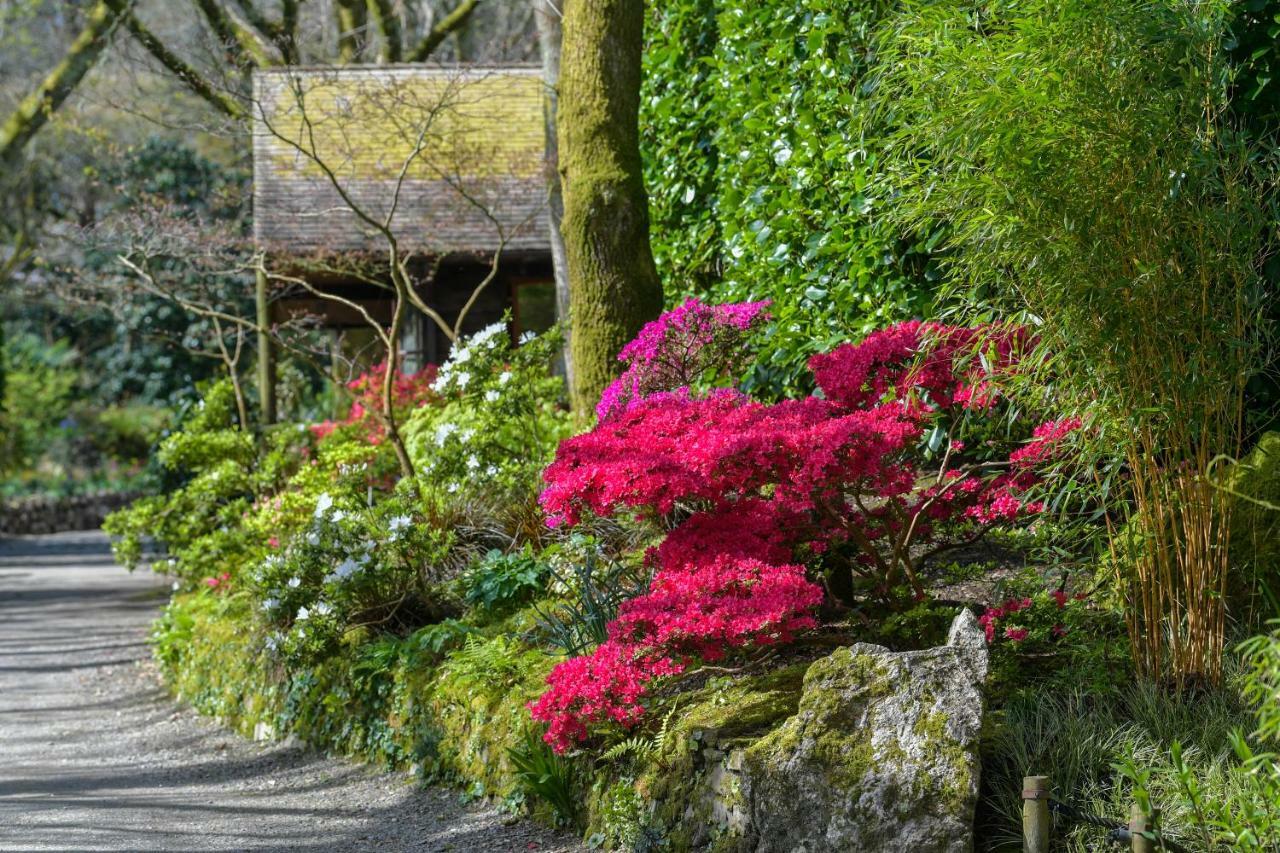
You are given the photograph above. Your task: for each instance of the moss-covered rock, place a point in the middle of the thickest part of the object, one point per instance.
(881, 755)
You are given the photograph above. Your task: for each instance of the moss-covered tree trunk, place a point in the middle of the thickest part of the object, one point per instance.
(613, 285)
(34, 110)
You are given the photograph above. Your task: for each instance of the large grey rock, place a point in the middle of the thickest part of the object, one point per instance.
(880, 756)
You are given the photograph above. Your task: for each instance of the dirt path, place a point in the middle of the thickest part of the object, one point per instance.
(95, 757)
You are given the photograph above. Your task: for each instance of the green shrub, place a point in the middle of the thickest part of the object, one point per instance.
(353, 566)
(502, 580)
(127, 433)
(215, 471)
(501, 417)
(1255, 530)
(38, 386)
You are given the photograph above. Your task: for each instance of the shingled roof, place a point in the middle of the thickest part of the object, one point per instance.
(455, 157)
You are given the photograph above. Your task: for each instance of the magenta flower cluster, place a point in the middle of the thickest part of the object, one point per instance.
(677, 350)
(760, 494)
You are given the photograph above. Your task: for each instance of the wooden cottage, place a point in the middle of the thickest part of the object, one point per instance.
(445, 164)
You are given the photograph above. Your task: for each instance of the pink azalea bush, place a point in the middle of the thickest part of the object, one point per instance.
(409, 390)
(774, 509)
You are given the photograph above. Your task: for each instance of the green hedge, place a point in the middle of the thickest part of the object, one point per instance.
(758, 157)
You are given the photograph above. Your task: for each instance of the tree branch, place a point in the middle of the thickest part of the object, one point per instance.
(189, 76)
(242, 45)
(441, 31)
(34, 111)
(387, 23)
(351, 17)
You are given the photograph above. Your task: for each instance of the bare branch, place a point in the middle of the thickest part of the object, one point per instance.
(449, 24)
(186, 73)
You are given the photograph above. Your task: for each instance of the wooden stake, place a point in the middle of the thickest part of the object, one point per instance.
(1140, 822)
(1036, 821)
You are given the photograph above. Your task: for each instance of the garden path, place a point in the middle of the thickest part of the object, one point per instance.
(95, 756)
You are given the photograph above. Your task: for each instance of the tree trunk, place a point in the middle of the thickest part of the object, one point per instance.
(549, 19)
(30, 115)
(266, 352)
(613, 285)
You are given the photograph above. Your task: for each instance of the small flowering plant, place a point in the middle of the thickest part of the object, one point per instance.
(498, 419)
(776, 509)
(1033, 622)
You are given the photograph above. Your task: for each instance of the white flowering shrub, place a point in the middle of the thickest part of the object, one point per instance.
(353, 566)
(500, 421)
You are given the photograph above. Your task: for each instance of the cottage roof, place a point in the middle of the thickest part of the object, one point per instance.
(452, 158)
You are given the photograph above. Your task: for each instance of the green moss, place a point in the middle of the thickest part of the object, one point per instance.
(941, 750)
(844, 745)
(723, 714)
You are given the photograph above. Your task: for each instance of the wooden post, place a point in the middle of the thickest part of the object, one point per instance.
(1140, 822)
(1036, 821)
(266, 353)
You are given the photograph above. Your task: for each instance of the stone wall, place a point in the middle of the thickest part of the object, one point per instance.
(43, 514)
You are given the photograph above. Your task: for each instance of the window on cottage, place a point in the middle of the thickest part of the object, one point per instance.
(534, 304)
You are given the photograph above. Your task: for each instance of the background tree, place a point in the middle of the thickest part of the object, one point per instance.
(613, 284)
(33, 111)
(549, 17)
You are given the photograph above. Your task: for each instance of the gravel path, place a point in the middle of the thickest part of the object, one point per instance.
(95, 757)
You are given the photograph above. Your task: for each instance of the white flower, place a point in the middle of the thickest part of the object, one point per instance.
(453, 487)
(444, 431)
(295, 582)
(346, 569)
(488, 333)
(462, 356)
(323, 609)
(526, 337)
(313, 538)
(473, 462)
(270, 604)
(303, 614)
(398, 522)
(337, 516)
(322, 504)
(504, 377)
(466, 435)
(462, 379)
(272, 643)
(492, 395)
(492, 470)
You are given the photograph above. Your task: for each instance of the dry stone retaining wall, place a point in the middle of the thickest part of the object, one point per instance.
(41, 514)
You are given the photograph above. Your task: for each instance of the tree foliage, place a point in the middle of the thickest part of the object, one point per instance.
(759, 170)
